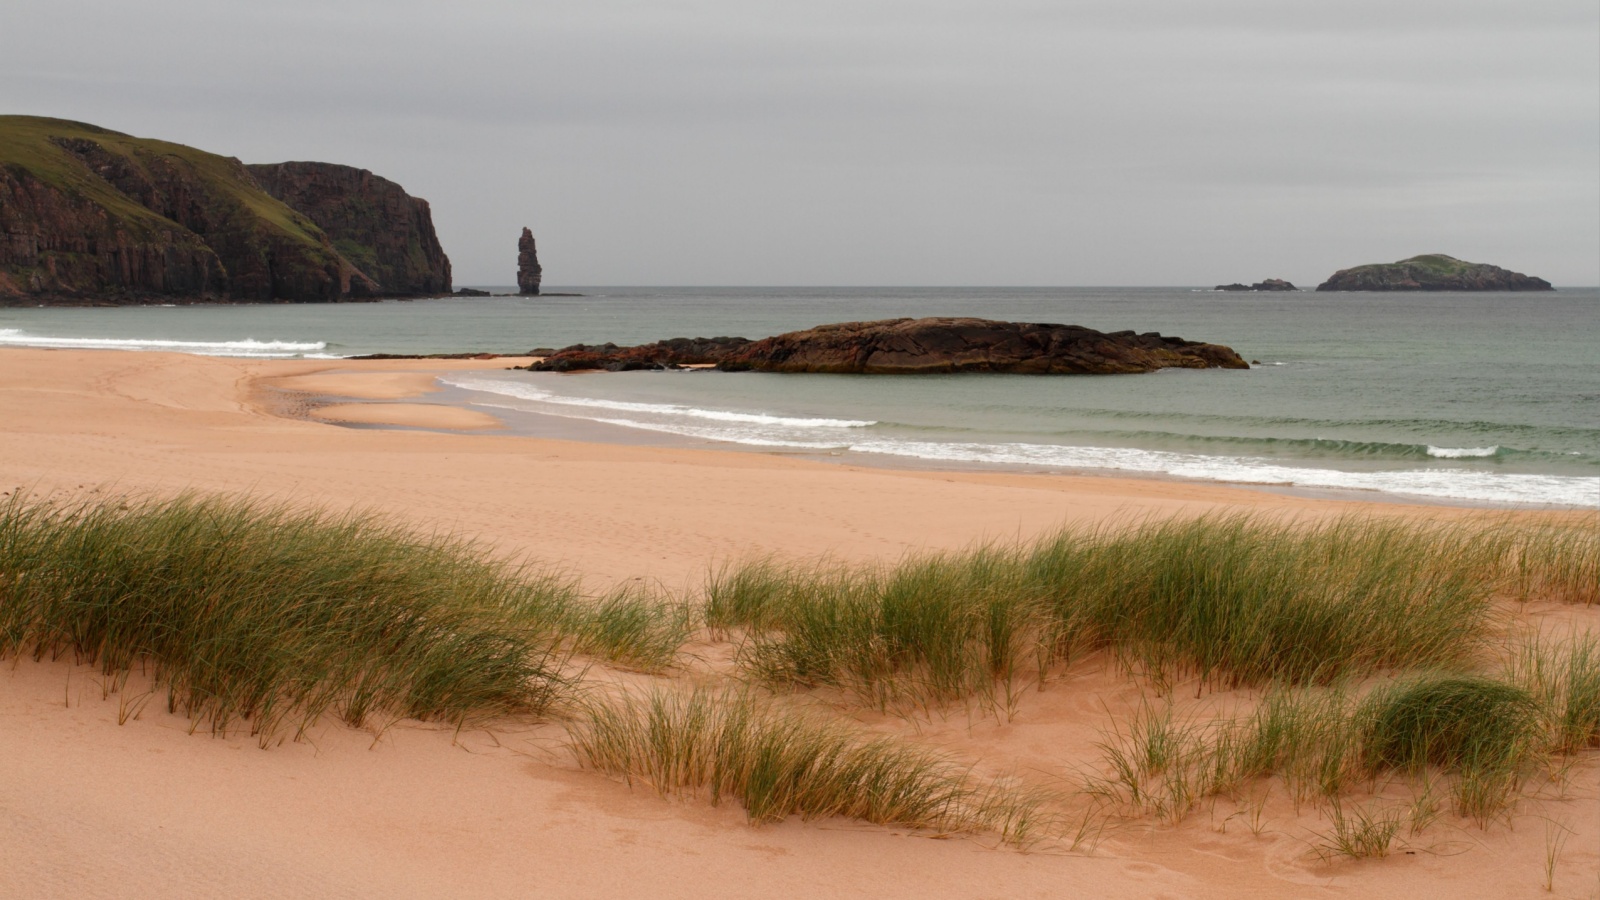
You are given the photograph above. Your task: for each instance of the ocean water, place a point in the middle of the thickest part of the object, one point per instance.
(1474, 398)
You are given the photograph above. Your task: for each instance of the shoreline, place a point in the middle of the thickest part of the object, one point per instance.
(335, 386)
(110, 422)
(411, 809)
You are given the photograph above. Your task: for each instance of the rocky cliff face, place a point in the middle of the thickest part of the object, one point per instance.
(1432, 272)
(89, 215)
(914, 346)
(54, 241)
(387, 233)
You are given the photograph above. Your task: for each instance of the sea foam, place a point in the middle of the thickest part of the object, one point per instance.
(247, 347)
(531, 392)
(1461, 452)
(824, 435)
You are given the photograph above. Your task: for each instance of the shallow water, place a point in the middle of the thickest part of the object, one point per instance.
(1491, 398)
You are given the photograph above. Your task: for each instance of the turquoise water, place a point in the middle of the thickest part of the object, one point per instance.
(1481, 398)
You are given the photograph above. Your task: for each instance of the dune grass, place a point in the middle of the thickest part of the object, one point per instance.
(1233, 600)
(1563, 677)
(631, 625)
(1482, 735)
(1555, 562)
(779, 762)
(276, 616)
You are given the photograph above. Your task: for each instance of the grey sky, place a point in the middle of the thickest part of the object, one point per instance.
(885, 141)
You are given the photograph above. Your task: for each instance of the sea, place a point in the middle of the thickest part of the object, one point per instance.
(1479, 399)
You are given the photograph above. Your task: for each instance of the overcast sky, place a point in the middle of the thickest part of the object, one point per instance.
(919, 142)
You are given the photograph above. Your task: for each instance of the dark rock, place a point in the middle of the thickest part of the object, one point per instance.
(1432, 272)
(385, 232)
(913, 346)
(529, 272)
(669, 354)
(471, 292)
(1271, 284)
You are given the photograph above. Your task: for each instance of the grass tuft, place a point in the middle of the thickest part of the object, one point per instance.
(632, 625)
(778, 763)
(275, 616)
(1234, 600)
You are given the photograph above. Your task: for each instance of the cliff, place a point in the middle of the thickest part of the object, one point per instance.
(387, 233)
(89, 215)
(1432, 272)
(914, 346)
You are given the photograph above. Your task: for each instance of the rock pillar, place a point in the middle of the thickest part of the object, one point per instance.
(529, 272)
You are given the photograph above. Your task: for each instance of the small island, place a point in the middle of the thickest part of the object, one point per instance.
(1271, 284)
(1432, 272)
(911, 347)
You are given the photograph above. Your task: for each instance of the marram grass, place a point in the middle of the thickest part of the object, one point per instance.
(1234, 600)
(276, 616)
(1483, 735)
(779, 762)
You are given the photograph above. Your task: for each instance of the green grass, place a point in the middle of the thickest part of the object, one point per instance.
(1484, 735)
(1555, 562)
(1484, 730)
(779, 763)
(1232, 600)
(1563, 677)
(276, 616)
(1364, 832)
(632, 626)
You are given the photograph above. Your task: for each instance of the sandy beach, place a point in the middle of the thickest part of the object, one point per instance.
(92, 806)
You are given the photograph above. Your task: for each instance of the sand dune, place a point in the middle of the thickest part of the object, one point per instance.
(93, 808)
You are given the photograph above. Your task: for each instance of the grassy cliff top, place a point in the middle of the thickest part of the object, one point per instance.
(30, 143)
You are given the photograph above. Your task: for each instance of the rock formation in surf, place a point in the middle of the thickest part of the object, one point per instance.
(1271, 284)
(913, 346)
(529, 272)
(1432, 272)
(92, 216)
(387, 233)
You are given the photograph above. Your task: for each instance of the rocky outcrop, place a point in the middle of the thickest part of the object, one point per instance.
(1432, 272)
(529, 272)
(1271, 284)
(913, 346)
(92, 216)
(385, 232)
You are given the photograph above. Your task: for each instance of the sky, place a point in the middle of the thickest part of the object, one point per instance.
(885, 142)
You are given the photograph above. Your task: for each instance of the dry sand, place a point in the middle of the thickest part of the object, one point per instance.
(93, 808)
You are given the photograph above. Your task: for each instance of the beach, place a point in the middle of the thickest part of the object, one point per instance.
(96, 807)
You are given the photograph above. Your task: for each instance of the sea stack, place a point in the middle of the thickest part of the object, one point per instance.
(529, 272)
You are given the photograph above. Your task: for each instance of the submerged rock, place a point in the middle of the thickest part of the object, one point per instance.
(1432, 272)
(913, 346)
